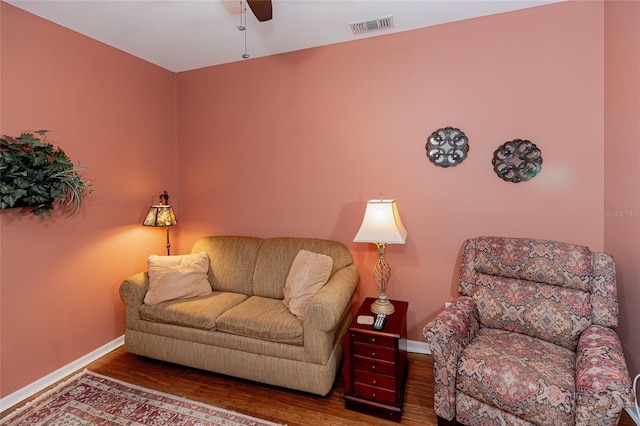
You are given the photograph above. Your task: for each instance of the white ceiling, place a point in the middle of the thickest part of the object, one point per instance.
(182, 35)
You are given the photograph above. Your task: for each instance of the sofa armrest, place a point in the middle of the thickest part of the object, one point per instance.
(326, 311)
(603, 385)
(448, 334)
(132, 292)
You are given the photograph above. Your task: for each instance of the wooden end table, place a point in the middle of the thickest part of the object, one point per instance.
(375, 368)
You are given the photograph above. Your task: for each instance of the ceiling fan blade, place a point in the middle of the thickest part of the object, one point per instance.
(261, 8)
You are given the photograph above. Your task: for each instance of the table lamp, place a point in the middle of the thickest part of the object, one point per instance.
(381, 226)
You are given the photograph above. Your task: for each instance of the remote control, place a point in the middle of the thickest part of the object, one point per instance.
(381, 319)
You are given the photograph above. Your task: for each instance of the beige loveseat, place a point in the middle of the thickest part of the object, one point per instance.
(243, 328)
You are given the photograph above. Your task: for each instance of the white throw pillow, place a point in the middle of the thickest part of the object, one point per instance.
(308, 273)
(177, 277)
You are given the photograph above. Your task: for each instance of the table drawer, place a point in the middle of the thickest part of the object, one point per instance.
(374, 352)
(374, 340)
(376, 380)
(380, 367)
(375, 394)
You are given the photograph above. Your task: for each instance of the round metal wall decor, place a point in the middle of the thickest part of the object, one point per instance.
(447, 147)
(517, 160)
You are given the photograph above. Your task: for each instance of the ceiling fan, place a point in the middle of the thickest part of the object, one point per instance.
(261, 8)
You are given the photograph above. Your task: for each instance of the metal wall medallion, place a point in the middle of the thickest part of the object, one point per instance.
(447, 147)
(517, 160)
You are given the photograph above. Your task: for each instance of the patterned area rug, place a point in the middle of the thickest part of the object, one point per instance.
(90, 399)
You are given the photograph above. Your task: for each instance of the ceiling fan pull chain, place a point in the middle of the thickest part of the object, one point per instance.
(243, 10)
(243, 28)
(245, 55)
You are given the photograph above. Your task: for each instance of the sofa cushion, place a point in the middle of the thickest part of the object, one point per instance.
(528, 377)
(262, 318)
(308, 273)
(175, 277)
(197, 312)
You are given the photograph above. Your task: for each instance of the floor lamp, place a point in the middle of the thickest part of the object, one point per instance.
(161, 215)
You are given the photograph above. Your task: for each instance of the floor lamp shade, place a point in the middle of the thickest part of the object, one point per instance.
(161, 215)
(381, 225)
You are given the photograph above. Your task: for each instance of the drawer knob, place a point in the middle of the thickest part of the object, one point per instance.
(373, 340)
(374, 382)
(373, 367)
(374, 395)
(373, 354)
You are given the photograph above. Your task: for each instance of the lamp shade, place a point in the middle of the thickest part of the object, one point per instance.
(381, 224)
(160, 215)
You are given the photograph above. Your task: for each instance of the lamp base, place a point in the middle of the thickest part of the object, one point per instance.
(382, 306)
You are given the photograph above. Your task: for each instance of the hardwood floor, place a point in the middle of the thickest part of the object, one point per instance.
(271, 403)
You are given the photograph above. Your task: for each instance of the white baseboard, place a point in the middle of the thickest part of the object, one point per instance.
(48, 380)
(415, 346)
(634, 416)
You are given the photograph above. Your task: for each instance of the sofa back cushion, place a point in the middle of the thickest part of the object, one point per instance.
(276, 256)
(231, 261)
(540, 288)
(259, 267)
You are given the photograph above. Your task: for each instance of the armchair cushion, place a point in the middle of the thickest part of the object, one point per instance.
(519, 374)
(552, 313)
(603, 386)
(547, 262)
(448, 335)
(604, 298)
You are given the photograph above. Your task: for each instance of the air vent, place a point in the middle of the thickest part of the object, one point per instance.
(373, 25)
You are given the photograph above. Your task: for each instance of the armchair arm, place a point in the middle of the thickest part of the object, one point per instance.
(132, 291)
(448, 334)
(326, 310)
(603, 385)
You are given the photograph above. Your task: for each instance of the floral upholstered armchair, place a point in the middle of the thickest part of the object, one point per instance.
(530, 340)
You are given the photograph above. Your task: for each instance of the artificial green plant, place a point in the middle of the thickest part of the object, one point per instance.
(36, 174)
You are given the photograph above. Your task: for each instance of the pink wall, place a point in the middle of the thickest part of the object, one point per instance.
(622, 164)
(296, 144)
(114, 114)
